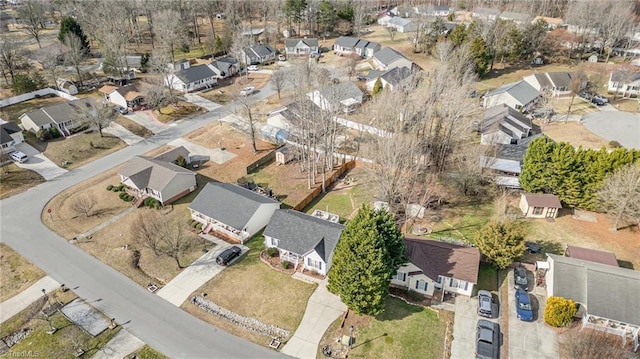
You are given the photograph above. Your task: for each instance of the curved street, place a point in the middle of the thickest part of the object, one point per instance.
(155, 321)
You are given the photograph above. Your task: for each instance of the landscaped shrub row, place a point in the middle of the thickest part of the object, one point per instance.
(151, 202)
(126, 197)
(195, 224)
(118, 188)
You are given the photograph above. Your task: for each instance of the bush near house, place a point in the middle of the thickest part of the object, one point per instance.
(272, 251)
(559, 311)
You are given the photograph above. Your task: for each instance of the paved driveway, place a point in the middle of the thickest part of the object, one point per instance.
(530, 340)
(466, 318)
(198, 152)
(201, 101)
(39, 162)
(115, 129)
(144, 118)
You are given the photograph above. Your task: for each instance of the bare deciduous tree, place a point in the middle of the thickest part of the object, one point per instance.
(50, 64)
(614, 24)
(75, 53)
(168, 30)
(32, 18)
(279, 78)
(621, 194)
(246, 108)
(10, 56)
(164, 234)
(145, 231)
(83, 204)
(590, 343)
(575, 87)
(98, 116)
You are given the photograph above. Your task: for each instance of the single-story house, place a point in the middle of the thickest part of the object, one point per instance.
(430, 10)
(10, 136)
(346, 45)
(436, 268)
(384, 18)
(303, 239)
(402, 24)
(519, 95)
(345, 95)
(627, 85)
(558, 83)
(591, 255)
(289, 117)
(388, 58)
(258, 54)
(162, 180)
(552, 22)
(192, 78)
(517, 17)
(402, 11)
(486, 13)
(504, 125)
(506, 160)
(390, 79)
(174, 154)
(607, 294)
(232, 212)
(60, 116)
(225, 67)
(128, 96)
(304, 46)
(539, 205)
(67, 86)
(366, 48)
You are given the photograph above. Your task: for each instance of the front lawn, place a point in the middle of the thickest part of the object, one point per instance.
(401, 331)
(176, 112)
(251, 288)
(16, 272)
(487, 277)
(14, 180)
(133, 127)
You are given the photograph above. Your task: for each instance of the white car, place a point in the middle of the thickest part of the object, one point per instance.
(253, 68)
(19, 157)
(282, 58)
(247, 91)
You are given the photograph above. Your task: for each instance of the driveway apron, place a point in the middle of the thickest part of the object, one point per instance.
(38, 162)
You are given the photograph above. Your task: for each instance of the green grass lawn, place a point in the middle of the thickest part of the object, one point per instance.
(251, 288)
(62, 343)
(148, 352)
(338, 203)
(401, 331)
(462, 221)
(488, 277)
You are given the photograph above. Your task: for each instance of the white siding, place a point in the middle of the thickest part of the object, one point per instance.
(180, 183)
(31, 126)
(116, 98)
(261, 218)
(457, 286)
(321, 267)
(549, 278)
(270, 242)
(501, 98)
(421, 278)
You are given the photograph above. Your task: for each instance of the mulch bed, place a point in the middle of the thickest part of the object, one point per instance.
(276, 263)
(414, 298)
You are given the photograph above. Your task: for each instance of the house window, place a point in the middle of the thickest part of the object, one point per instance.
(273, 242)
(401, 276)
(518, 107)
(314, 264)
(537, 211)
(421, 285)
(454, 283)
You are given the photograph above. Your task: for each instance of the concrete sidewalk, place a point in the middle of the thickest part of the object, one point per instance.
(323, 308)
(123, 344)
(122, 133)
(196, 275)
(16, 304)
(201, 101)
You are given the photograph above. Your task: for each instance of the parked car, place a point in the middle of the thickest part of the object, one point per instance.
(601, 98)
(585, 95)
(523, 306)
(487, 340)
(520, 278)
(532, 247)
(19, 157)
(598, 102)
(122, 110)
(361, 77)
(247, 91)
(315, 54)
(485, 304)
(253, 68)
(228, 255)
(282, 58)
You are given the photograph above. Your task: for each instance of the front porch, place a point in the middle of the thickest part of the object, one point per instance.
(221, 230)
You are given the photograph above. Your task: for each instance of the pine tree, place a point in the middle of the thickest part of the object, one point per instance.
(69, 24)
(377, 87)
(535, 168)
(369, 252)
(481, 55)
(502, 243)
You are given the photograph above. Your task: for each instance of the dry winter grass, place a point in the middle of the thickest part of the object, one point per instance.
(573, 133)
(14, 180)
(17, 274)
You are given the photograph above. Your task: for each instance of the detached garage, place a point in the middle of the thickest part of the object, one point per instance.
(536, 205)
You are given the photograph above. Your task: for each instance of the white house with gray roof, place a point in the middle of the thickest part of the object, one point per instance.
(192, 78)
(626, 84)
(503, 125)
(557, 83)
(60, 116)
(232, 212)
(258, 54)
(225, 67)
(519, 95)
(388, 58)
(390, 79)
(155, 178)
(301, 47)
(346, 45)
(302, 239)
(402, 25)
(608, 295)
(10, 136)
(345, 95)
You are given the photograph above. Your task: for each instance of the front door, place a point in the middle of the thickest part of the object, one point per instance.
(551, 212)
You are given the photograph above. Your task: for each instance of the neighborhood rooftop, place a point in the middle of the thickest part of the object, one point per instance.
(520, 90)
(607, 291)
(311, 42)
(260, 50)
(229, 203)
(341, 91)
(57, 113)
(387, 55)
(146, 172)
(506, 119)
(300, 233)
(542, 200)
(6, 129)
(195, 73)
(437, 258)
(591, 255)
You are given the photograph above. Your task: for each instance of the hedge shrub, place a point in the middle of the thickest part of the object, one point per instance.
(121, 195)
(559, 311)
(109, 187)
(285, 264)
(272, 251)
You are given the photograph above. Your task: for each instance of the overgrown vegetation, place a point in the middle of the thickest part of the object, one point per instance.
(501, 242)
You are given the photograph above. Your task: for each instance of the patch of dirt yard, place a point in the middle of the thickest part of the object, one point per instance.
(16, 272)
(224, 135)
(14, 180)
(133, 127)
(67, 223)
(624, 243)
(628, 105)
(573, 133)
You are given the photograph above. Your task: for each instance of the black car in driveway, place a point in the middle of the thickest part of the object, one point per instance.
(520, 278)
(228, 255)
(487, 340)
(532, 247)
(485, 304)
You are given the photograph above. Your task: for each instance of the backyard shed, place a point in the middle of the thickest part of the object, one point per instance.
(539, 205)
(284, 155)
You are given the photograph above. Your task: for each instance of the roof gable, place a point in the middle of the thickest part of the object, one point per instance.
(57, 113)
(260, 50)
(308, 42)
(388, 55)
(6, 129)
(396, 75)
(146, 172)
(341, 91)
(347, 41)
(436, 258)
(542, 200)
(229, 204)
(520, 90)
(591, 255)
(195, 73)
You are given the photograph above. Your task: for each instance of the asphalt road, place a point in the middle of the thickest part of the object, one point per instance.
(152, 319)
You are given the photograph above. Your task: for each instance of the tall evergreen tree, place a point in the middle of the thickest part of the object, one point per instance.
(502, 243)
(481, 55)
(377, 87)
(535, 168)
(370, 251)
(69, 24)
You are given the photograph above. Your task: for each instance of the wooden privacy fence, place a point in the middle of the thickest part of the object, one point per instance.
(327, 182)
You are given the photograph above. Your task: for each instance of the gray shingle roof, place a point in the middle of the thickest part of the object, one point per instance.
(172, 155)
(521, 91)
(607, 291)
(496, 115)
(146, 172)
(58, 113)
(342, 90)
(560, 79)
(518, 16)
(400, 21)
(300, 233)
(347, 41)
(396, 75)
(617, 76)
(312, 42)
(229, 204)
(6, 129)
(195, 73)
(259, 50)
(436, 258)
(543, 80)
(388, 55)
